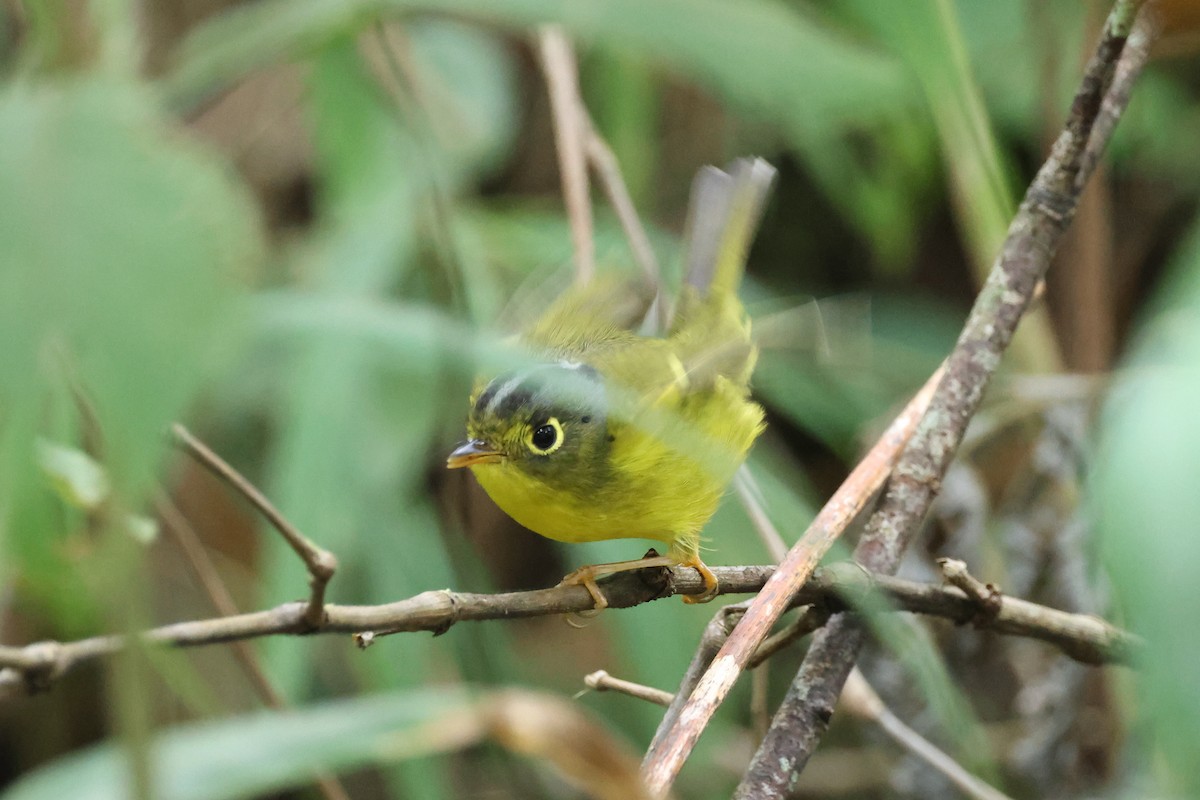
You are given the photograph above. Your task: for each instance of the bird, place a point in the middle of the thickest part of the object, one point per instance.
(610, 433)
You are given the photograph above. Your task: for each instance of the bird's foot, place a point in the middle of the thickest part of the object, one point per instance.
(711, 585)
(586, 576)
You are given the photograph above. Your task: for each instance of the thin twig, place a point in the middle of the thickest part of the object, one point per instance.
(675, 741)
(1085, 638)
(751, 499)
(570, 127)
(321, 564)
(608, 173)
(860, 699)
(760, 708)
(713, 639)
(218, 594)
(601, 681)
(810, 619)
(1043, 216)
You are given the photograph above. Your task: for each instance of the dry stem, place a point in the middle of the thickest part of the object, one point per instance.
(570, 132)
(601, 681)
(321, 564)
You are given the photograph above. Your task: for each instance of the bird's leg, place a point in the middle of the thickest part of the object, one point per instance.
(711, 586)
(586, 576)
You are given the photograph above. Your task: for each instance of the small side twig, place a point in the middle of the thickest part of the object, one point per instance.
(750, 497)
(810, 619)
(321, 564)
(760, 701)
(716, 633)
(986, 595)
(570, 126)
(601, 681)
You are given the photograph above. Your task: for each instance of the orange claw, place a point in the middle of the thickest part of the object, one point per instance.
(711, 585)
(586, 576)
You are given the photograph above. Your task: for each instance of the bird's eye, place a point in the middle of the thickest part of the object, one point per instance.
(547, 437)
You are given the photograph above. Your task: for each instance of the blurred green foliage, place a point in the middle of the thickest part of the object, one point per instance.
(321, 329)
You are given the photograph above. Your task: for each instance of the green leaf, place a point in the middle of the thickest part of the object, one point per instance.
(467, 84)
(253, 754)
(118, 241)
(762, 58)
(761, 55)
(1145, 498)
(926, 35)
(75, 475)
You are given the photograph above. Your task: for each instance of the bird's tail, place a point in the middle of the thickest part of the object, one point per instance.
(723, 215)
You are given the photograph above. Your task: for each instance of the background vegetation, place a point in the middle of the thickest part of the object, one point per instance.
(289, 223)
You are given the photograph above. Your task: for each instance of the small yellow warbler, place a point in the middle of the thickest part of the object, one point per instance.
(616, 435)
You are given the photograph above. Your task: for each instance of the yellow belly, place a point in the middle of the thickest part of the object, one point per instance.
(560, 516)
(656, 491)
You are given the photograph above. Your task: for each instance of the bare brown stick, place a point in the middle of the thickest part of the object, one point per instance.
(860, 699)
(608, 172)
(1033, 236)
(321, 564)
(601, 681)
(673, 744)
(218, 594)
(570, 128)
(1084, 638)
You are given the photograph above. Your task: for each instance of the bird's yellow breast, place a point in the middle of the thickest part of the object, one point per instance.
(657, 490)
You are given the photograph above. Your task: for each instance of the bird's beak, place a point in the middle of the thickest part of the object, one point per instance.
(473, 453)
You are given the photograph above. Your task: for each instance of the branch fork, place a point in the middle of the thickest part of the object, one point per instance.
(320, 563)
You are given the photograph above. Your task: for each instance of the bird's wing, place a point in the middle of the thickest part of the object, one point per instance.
(590, 319)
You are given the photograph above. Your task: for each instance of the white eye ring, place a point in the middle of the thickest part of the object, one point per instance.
(541, 448)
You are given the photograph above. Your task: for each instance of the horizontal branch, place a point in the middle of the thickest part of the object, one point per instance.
(841, 586)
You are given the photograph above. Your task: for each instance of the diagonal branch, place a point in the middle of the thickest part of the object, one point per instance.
(1033, 236)
(678, 735)
(321, 564)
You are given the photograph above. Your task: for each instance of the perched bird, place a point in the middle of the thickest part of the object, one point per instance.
(614, 435)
